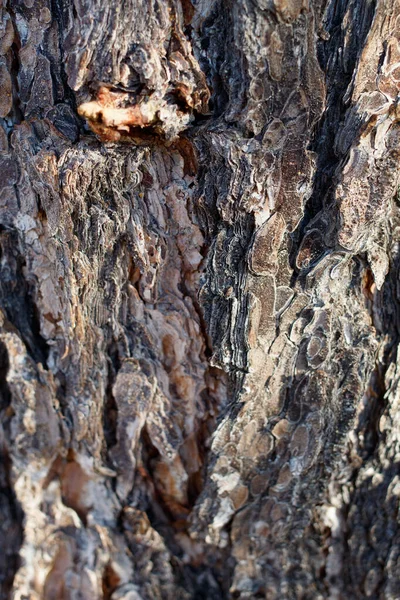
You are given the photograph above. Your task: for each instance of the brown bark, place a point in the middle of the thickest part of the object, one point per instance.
(199, 299)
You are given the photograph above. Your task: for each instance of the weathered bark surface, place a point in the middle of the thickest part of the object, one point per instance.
(199, 294)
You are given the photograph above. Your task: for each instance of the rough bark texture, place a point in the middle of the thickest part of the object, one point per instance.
(199, 294)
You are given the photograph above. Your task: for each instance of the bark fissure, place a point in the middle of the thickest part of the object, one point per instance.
(338, 80)
(199, 287)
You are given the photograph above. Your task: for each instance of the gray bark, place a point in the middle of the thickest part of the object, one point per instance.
(199, 299)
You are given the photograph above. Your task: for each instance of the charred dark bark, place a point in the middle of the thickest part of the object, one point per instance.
(199, 299)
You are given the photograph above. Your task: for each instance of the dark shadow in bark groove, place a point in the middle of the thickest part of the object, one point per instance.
(388, 304)
(60, 10)
(338, 79)
(203, 581)
(219, 20)
(11, 525)
(16, 297)
(110, 410)
(377, 535)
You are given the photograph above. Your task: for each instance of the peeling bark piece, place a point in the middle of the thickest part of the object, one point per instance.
(312, 248)
(267, 242)
(5, 91)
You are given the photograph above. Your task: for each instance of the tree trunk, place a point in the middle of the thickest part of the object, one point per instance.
(199, 297)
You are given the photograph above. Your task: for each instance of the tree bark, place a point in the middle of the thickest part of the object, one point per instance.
(199, 299)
